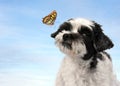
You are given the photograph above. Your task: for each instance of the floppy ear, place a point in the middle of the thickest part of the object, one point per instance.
(101, 41)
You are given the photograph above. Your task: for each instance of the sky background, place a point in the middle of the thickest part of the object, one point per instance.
(28, 56)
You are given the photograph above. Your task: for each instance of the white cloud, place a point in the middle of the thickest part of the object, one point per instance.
(25, 78)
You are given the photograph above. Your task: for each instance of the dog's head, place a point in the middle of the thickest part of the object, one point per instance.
(81, 37)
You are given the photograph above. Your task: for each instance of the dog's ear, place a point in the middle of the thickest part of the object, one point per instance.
(101, 41)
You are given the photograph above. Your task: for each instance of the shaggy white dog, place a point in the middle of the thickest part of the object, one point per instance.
(86, 62)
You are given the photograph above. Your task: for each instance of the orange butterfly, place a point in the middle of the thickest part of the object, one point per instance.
(50, 19)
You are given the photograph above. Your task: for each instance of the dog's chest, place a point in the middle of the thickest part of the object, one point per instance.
(74, 74)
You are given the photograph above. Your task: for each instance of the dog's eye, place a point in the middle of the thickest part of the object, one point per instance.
(65, 26)
(85, 31)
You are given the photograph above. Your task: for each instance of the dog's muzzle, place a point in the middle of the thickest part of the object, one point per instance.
(65, 36)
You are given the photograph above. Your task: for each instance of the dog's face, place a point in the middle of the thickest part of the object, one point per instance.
(81, 37)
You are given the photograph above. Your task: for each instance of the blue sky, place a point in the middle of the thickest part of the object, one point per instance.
(28, 56)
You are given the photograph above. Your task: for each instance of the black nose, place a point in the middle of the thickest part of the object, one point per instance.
(53, 35)
(66, 37)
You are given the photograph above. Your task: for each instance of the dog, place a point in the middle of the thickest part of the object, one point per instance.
(86, 63)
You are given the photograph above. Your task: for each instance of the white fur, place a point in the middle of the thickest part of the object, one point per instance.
(77, 47)
(81, 21)
(75, 71)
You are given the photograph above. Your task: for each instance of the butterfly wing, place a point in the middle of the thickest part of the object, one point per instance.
(46, 20)
(50, 19)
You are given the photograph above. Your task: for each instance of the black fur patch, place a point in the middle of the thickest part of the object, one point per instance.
(85, 31)
(87, 35)
(94, 61)
(101, 41)
(65, 26)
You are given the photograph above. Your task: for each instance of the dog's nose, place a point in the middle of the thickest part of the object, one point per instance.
(66, 37)
(53, 35)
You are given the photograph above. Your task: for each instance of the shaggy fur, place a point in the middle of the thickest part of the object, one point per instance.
(86, 63)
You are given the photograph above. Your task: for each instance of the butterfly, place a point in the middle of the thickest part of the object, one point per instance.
(50, 18)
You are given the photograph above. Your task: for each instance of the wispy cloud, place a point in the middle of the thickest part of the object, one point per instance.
(25, 78)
